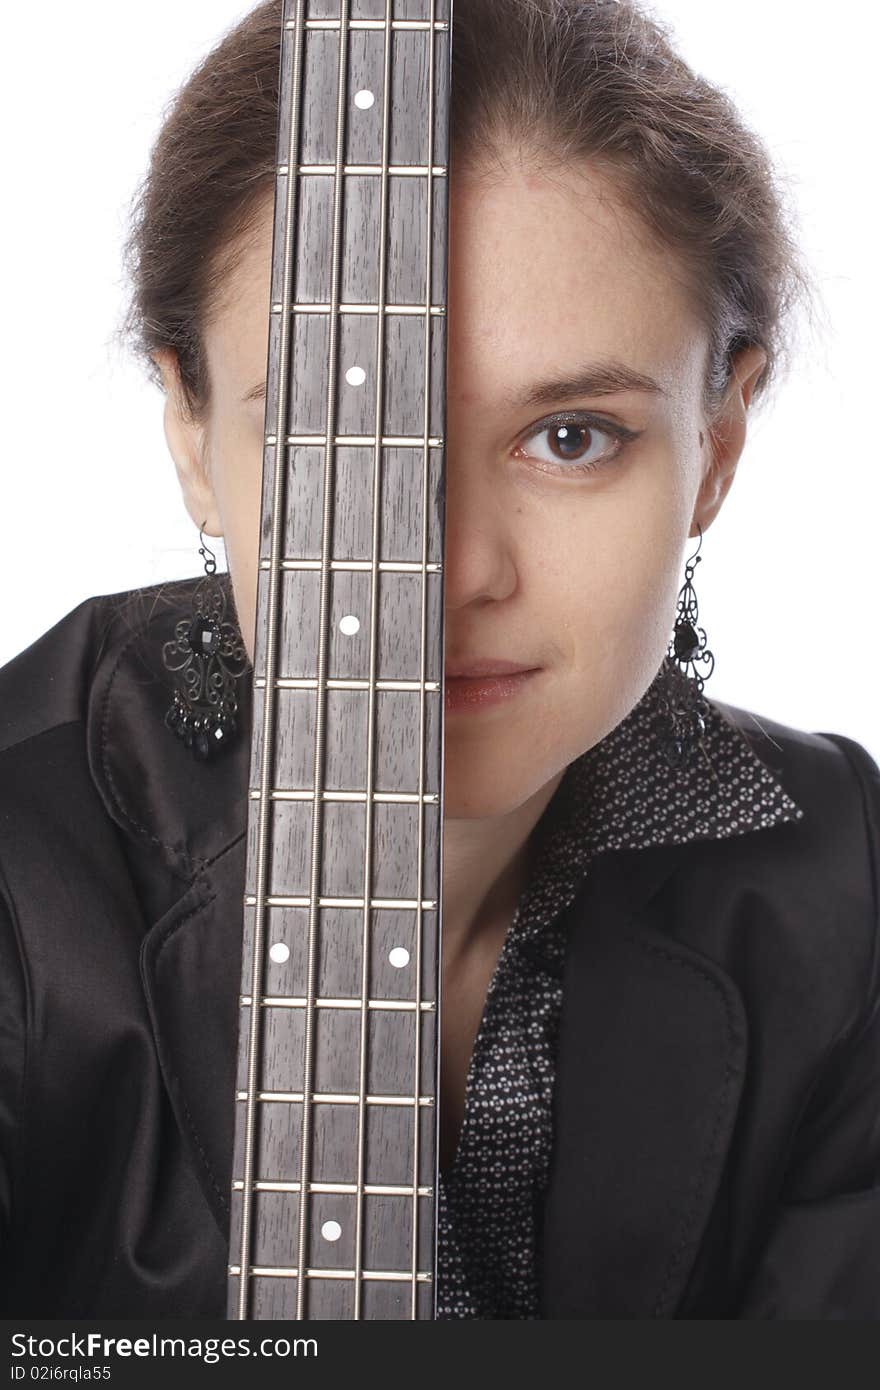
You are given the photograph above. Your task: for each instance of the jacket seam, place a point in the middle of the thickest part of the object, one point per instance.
(215, 858)
(105, 766)
(41, 733)
(100, 609)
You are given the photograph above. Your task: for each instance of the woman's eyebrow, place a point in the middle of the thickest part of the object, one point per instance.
(592, 379)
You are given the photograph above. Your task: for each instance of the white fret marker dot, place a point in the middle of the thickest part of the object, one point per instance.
(331, 1230)
(399, 957)
(349, 625)
(279, 952)
(355, 376)
(364, 99)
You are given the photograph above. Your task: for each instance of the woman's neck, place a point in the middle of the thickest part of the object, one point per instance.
(485, 868)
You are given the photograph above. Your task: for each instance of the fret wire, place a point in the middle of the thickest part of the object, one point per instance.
(342, 1189)
(354, 441)
(323, 645)
(333, 1098)
(271, 657)
(374, 24)
(280, 900)
(280, 1272)
(367, 310)
(382, 798)
(353, 683)
(298, 1001)
(361, 566)
(402, 171)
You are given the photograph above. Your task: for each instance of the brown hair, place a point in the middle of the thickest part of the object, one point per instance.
(564, 80)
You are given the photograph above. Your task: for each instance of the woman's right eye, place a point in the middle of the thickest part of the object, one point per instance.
(576, 443)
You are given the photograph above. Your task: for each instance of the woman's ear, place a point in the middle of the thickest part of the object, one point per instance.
(727, 434)
(187, 443)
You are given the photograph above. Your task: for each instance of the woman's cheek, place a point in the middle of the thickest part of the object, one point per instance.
(239, 500)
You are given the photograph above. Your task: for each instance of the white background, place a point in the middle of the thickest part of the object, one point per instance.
(788, 585)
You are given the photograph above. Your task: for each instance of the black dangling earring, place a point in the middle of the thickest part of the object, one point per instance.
(210, 656)
(683, 706)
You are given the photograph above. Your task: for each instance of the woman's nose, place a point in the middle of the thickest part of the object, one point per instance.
(478, 556)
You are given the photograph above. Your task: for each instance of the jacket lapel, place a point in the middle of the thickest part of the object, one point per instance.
(183, 826)
(650, 1069)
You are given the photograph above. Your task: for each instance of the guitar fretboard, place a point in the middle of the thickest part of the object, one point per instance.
(335, 1162)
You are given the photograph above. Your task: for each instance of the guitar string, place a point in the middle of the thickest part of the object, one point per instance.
(321, 692)
(294, 36)
(426, 458)
(378, 433)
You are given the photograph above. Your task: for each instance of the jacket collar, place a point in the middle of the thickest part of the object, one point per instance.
(178, 815)
(622, 794)
(653, 1035)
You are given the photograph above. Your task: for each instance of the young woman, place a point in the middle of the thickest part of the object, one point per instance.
(660, 1034)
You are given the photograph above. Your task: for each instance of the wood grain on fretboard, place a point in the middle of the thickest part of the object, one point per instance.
(362, 525)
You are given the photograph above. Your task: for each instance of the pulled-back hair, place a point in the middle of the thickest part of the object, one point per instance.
(567, 82)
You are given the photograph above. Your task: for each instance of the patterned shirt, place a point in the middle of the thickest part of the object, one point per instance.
(620, 794)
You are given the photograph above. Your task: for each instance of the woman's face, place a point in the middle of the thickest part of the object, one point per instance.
(564, 536)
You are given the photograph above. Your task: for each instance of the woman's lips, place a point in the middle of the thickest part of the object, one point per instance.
(477, 685)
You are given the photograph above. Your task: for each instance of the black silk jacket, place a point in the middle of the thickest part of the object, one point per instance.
(717, 1095)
